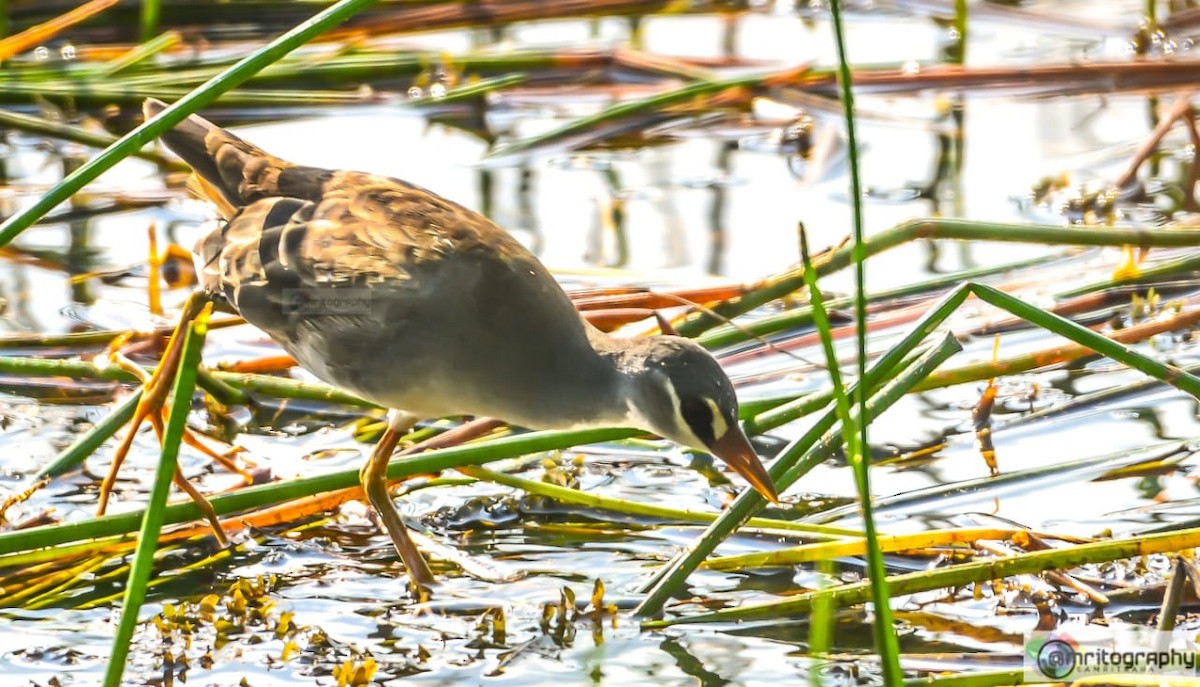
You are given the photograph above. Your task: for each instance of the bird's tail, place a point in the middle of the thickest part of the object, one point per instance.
(231, 172)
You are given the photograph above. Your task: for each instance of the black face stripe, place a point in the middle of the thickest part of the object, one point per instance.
(699, 418)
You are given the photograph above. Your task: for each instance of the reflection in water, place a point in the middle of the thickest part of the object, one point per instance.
(79, 251)
(613, 217)
(690, 664)
(716, 213)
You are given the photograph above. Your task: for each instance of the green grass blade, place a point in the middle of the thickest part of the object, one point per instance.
(194, 100)
(155, 513)
(788, 467)
(992, 678)
(148, 24)
(1176, 377)
(268, 494)
(885, 630)
(956, 576)
(822, 621)
(91, 440)
(798, 458)
(939, 228)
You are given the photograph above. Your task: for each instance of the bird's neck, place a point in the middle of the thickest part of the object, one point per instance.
(614, 406)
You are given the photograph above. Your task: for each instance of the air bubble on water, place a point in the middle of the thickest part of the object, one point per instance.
(41, 53)
(437, 90)
(68, 52)
(415, 92)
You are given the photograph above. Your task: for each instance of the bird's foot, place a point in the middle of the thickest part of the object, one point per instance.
(152, 406)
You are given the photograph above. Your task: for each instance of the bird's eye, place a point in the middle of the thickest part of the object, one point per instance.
(698, 414)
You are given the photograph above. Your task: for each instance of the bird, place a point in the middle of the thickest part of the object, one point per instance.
(429, 309)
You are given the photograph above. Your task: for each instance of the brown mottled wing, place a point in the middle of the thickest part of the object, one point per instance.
(353, 230)
(241, 172)
(376, 285)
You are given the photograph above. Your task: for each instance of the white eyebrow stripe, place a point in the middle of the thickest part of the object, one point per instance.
(681, 424)
(719, 425)
(676, 407)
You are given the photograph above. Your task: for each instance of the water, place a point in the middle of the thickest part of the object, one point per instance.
(338, 576)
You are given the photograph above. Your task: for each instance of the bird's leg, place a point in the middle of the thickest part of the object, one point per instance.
(373, 477)
(154, 391)
(205, 507)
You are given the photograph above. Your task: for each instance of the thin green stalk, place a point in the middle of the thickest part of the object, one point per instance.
(1168, 612)
(1025, 481)
(620, 111)
(142, 52)
(802, 455)
(89, 546)
(936, 228)
(176, 112)
(886, 642)
(961, 25)
(469, 91)
(791, 318)
(76, 340)
(580, 498)
(1147, 275)
(148, 24)
(66, 132)
(103, 93)
(1103, 345)
(91, 440)
(955, 576)
(269, 494)
(996, 678)
(225, 394)
(155, 513)
(280, 387)
(821, 626)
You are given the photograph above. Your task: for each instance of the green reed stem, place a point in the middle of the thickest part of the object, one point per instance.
(803, 455)
(91, 440)
(821, 625)
(583, 125)
(144, 51)
(155, 513)
(580, 498)
(76, 134)
(791, 318)
(271, 494)
(148, 23)
(994, 678)
(1103, 345)
(934, 228)
(175, 113)
(886, 642)
(955, 576)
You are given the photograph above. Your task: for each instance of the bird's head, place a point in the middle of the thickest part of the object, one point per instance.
(682, 394)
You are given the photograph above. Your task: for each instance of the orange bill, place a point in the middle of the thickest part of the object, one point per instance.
(735, 450)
